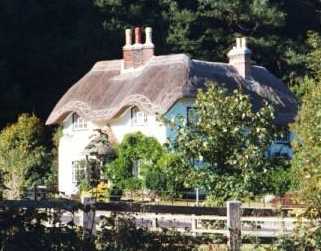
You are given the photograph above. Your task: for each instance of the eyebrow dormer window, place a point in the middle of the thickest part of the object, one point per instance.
(78, 122)
(138, 117)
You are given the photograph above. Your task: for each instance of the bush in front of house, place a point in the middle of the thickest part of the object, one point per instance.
(142, 163)
(169, 175)
(136, 155)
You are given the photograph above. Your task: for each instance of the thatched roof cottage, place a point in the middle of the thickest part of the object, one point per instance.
(129, 94)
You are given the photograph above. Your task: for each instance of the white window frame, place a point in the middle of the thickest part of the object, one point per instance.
(138, 118)
(77, 168)
(190, 117)
(78, 123)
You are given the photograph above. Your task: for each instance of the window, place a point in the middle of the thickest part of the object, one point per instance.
(135, 168)
(78, 171)
(78, 122)
(281, 146)
(283, 138)
(138, 117)
(191, 115)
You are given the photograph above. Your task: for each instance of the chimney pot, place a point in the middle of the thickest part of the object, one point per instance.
(138, 35)
(243, 39)
(238, 42)
(137, 54)
(128, 37)
(148, 36)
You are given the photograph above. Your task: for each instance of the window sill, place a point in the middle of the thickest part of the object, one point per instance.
(79, 129)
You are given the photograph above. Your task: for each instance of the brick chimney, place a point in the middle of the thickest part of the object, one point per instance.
(148, 50)
(137, 54)
(240, 58)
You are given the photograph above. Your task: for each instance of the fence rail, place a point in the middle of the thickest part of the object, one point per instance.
(232, 221)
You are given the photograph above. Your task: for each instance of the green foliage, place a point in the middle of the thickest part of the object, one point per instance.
(313, 58)
(135, 151)
(307, 149)
(232, 141)
(124, 235)
(22, 229)
(88, 171)
(2, 181)
(169, 175)
(312, 61)
(279, 180)
(159, 170)
(206, 29)
(301, 87)
(223, 21)
(52, 181)
(305, 236)
(22, 155)
(307, 146)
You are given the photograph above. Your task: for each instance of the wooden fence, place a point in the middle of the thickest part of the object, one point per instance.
(231, 221)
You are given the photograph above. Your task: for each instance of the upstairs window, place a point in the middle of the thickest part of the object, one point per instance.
(78, 123)
(283, 138)
(191, 115)
(138, 117)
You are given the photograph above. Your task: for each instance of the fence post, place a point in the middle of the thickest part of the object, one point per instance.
(234, 225)
(194, 225)
(87, 217)
(155, 222)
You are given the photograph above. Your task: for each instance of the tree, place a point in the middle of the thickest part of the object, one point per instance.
(2, 186)
(206, 29)
(231, 141)
(307, 128)
(312, 60)
(22, 155)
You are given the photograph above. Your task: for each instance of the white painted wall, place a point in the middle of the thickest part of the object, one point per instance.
(71, 148)
(154, 126)
(73, 142)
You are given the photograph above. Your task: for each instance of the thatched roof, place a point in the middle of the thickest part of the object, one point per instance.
(105, 91)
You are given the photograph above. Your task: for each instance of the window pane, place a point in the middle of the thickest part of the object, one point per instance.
(191, 115)
(138, 117)
(78, 122)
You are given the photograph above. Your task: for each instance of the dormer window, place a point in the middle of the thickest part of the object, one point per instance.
(78, 123)
(138, 117)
